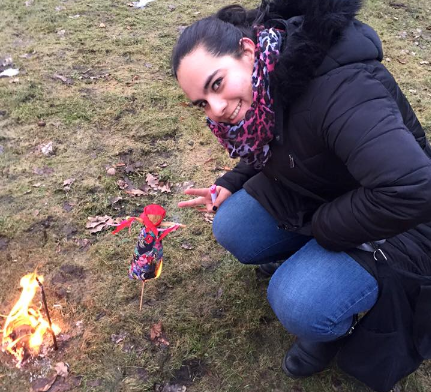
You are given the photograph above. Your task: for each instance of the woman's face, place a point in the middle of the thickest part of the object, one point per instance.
(219, 85)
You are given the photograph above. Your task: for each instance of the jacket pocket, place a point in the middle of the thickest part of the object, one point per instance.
(378, 359)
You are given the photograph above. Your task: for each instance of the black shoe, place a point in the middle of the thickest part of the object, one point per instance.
(305, 358)
(268, 269)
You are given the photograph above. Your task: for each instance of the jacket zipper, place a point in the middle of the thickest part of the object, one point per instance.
(377, 251)
(291, 162)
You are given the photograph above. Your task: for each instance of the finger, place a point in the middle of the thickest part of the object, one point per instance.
(197, 192)
(199, 201)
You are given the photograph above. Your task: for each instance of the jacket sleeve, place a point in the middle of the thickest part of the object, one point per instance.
(361, 123)
(235, 179)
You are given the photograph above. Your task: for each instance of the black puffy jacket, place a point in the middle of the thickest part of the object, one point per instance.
(351, 164)
(350, 161)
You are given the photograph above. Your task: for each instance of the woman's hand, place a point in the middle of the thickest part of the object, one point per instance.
(204, 198)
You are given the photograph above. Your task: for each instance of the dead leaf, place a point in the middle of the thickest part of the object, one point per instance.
(62, 369)
(182, 186)
(152, 180)
(43, 384)
(115, 200)
(122, 184)
(165, 188)
(47, 149)
(98, 223)
(187, 245)
(102, 25)
(64, 79)
(136, 192)
(41, 123)
(157, 336)
(208, 217)
(68, 183)
(118, 338)
(402, 61)
(111, 171)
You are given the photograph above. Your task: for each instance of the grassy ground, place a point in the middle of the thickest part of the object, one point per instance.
(95, 80)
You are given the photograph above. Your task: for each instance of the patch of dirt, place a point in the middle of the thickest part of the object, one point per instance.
(4, 242)
(190, 371)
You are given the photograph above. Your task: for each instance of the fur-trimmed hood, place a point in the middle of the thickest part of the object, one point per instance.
(321, 35)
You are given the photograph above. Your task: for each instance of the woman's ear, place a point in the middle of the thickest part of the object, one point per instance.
(248, 47)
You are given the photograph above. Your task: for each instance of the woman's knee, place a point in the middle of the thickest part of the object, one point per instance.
(297, 312)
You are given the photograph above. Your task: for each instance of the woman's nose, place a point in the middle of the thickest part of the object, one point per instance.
(217, 106)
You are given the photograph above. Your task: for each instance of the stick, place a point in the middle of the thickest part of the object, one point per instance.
(47, 314)
(142, 295)
(168, 224)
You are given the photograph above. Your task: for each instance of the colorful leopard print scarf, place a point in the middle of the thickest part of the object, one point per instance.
(249, 139)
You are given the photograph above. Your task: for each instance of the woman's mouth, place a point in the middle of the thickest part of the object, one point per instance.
(236, 111)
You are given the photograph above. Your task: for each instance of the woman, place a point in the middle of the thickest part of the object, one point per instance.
(334, 177)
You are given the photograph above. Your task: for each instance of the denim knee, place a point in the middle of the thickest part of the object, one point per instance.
(298, 314)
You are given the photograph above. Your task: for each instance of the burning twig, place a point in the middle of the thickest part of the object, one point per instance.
(24, 328)
(47, 313)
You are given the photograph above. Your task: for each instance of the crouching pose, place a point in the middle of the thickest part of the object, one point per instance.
(334, 180)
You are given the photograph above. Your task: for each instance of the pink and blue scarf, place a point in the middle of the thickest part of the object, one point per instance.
(250, 138)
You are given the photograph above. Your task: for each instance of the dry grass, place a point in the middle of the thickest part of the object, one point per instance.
(120, 104)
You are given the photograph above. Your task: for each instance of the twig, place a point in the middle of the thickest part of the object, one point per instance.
(142, 295)
(47, 313)
(168, 224)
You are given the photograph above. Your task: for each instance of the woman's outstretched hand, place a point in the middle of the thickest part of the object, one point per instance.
(204, 198)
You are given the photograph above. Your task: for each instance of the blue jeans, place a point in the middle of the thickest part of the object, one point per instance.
(316, 292)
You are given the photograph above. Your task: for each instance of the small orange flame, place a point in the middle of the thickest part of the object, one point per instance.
(25, 327)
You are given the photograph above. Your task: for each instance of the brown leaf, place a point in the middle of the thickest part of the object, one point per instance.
(96, 220)
(165, 188)
(118, 338)
(208, 217)
(187, 245)
(157, 336)
(98, 223)
(402, 61)
(61, 369)
(68, 183)
(152, 180)
(122, 184)
(64, 79)
(136, 192)
(43, 384)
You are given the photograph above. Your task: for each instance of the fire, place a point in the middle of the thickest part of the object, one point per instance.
(25, 327)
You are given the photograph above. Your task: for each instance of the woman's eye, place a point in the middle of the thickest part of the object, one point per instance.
(217, 84)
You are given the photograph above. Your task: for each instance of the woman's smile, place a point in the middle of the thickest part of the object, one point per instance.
(236, 111)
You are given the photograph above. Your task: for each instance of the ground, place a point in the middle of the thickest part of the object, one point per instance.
(94, 79)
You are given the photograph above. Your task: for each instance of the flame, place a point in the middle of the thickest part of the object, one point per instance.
(159, 269)
(25, 327)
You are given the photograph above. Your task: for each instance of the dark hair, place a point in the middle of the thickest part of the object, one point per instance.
(219, 34)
